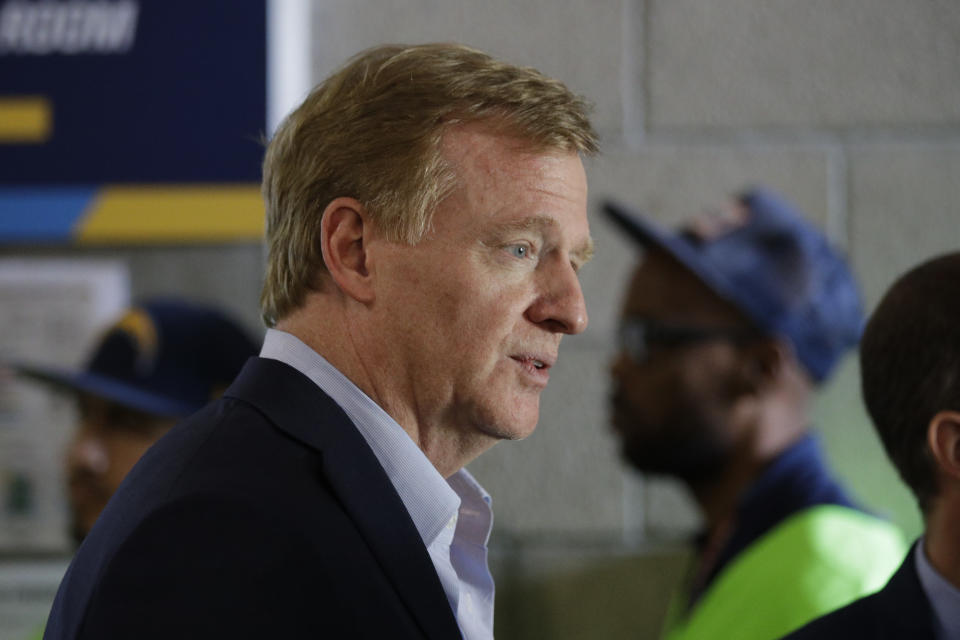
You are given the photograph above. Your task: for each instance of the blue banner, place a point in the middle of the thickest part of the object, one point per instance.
(138, 91)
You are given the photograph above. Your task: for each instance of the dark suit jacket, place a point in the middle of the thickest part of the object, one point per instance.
(265, 515)
(899, 610)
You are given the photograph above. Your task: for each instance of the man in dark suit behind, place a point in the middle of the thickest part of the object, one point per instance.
(426, 218)
(910, 370)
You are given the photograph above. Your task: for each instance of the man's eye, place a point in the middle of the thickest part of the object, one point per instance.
(519, 250)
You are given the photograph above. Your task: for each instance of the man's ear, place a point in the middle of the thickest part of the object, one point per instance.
(345, 233)
(943, 437)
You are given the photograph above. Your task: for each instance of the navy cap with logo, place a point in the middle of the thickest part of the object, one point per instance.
(776, 267)
(164, 357)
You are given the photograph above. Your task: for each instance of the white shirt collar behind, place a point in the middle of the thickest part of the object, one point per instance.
(944, 597)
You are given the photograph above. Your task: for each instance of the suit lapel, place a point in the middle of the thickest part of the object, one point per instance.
(904, 602)
(298, 407)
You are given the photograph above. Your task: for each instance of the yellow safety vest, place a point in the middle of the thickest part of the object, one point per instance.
(813, 562)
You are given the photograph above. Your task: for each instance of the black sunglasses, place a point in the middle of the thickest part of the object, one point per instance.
(639, 335)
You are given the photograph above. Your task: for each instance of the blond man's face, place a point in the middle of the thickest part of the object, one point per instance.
(476, 310)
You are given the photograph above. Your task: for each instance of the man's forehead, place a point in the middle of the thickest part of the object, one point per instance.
(487, 145)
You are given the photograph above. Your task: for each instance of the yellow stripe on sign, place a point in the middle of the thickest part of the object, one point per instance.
(176, 213)
(25, 119)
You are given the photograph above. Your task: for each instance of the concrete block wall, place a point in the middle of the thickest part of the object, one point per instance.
(851, 108)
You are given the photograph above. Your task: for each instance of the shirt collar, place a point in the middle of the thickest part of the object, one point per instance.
(944, 597)
(476, 516)
(431, 500)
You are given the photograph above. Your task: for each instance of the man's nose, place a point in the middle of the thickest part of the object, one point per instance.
(561, 308)
(88, 452)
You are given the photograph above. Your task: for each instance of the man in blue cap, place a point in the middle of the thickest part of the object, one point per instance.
(161, 361)
(728, 327)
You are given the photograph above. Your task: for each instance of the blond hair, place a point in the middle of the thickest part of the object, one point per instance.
(373, 130)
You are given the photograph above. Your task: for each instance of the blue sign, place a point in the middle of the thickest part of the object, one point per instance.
(101, 96)
(137, 90)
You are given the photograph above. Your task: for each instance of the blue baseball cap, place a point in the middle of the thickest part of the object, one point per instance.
(774, 266)
(163, 357)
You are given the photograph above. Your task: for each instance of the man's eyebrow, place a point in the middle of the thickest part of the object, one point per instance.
(583, 254)
(534, 223)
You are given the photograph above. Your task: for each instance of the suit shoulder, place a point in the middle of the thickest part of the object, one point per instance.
(213, 562)
(862, 618)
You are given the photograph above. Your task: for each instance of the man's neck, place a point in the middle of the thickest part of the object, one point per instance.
(942, 534)
(448, 448)
(771, 430)
(719, 496)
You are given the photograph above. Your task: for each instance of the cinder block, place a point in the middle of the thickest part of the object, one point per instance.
(576, 42)
(564, 479)
(753, 63)
(604, 280)
(904, 208)
(672, 183)
(668, 510)
(228, 276)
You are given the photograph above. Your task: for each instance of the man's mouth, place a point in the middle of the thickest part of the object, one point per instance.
(536, 365)
(537, 360)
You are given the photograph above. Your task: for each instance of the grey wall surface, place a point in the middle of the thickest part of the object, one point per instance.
(226, 275)
(851, 108)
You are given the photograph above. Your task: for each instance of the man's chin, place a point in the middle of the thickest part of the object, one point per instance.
(514, 427)
(692, 467)
(497, 432)
(513, 419)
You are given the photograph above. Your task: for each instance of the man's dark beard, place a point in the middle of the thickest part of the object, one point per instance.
(686, 446)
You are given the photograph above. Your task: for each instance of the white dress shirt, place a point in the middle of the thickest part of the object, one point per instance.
(453, 516)
(944, 597)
